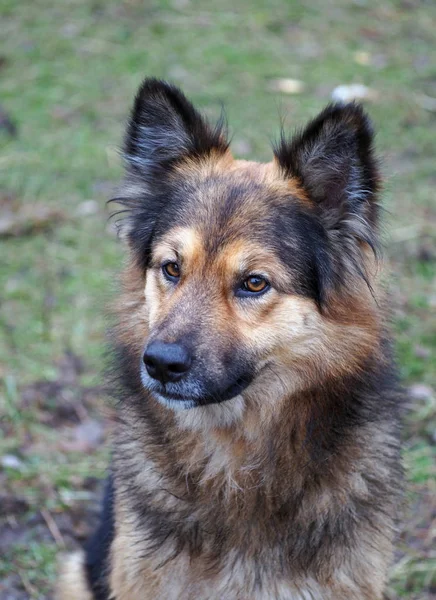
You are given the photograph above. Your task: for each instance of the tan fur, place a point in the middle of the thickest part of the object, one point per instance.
(134, 579)
(362, 577)
(232, 463)
(72, 584)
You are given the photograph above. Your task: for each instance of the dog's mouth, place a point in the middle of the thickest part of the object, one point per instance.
(189, 396)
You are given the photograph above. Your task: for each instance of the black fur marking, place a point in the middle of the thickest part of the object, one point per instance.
(165, 127)
(334, 152)
(98, 547)
(334, 160)
(300, 242)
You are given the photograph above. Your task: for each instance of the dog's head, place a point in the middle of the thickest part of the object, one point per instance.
(255, 280)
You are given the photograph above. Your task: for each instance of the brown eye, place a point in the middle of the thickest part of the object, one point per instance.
(171, 270)
(254, 285)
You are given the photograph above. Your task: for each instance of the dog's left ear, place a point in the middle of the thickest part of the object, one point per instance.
(334, 162)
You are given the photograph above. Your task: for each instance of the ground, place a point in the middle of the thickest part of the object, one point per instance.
(68, 72)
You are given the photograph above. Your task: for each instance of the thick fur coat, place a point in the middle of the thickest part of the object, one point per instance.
(256, 454)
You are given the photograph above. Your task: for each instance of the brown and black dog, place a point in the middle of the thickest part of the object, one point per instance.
(257, 450)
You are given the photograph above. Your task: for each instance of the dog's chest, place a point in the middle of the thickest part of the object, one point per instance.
(183, 579)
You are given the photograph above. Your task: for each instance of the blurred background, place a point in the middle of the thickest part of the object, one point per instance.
(68, 73)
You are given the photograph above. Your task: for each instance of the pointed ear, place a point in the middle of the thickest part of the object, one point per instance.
(333, 160)
(164, 128)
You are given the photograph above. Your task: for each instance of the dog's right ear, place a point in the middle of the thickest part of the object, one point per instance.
(165, 128)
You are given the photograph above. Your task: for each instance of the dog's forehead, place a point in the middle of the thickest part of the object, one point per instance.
(225, 204)
(239, 218)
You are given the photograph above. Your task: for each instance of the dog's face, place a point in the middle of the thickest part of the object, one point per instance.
(229, 285)
(254, 276)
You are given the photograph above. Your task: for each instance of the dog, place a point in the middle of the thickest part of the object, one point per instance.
(256, 453)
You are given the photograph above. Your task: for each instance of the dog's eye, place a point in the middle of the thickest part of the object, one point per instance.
(171, 271)
(254, 285)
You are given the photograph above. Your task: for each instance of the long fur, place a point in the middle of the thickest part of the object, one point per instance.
(271, 469)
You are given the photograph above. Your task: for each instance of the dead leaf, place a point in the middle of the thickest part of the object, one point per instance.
(354, 91)
(286, 86)
(362, 58)
(419, 391)
(10, 461)
(29, 219)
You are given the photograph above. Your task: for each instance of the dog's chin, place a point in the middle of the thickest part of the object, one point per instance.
(208, 417)
(177, 403)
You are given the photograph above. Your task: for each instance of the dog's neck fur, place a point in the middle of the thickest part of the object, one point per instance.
(275, 439)
(285, 485)
(230, 449)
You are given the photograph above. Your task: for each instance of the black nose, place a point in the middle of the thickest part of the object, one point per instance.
(166, 362)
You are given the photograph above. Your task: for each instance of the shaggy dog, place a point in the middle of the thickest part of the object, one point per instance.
(256, 454)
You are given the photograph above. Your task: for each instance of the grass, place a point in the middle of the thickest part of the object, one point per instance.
(69, 71)
(36, 565)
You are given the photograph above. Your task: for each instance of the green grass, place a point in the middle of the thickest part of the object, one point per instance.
(68, 73)
(35, 564)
